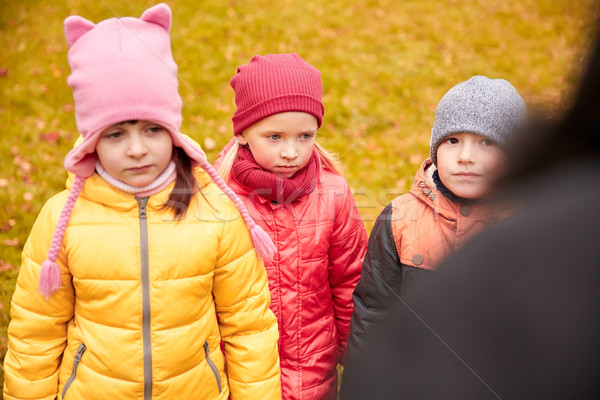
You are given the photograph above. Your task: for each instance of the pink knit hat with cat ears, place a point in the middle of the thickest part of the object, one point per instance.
(122, 70)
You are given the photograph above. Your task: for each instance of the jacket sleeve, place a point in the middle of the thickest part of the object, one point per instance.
(346, 253)
(248, 327)
(379, 284)
(37, 333)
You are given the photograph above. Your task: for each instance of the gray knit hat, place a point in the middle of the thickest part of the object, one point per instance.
(488, 107)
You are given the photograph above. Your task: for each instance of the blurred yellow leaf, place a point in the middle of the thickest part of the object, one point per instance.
(401, 183)
(8, 225)
(11, 242)
(4, 266)
(415, 159)
(22, 163)
(209, 143)
(50, 137)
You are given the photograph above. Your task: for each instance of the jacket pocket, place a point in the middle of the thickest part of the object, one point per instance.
(212, 365)
(76, 361)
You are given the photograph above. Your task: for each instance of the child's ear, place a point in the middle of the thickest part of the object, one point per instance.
(75, 27)
(160, 14)
(241, 139)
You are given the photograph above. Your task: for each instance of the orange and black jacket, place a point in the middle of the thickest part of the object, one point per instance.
(410, 238)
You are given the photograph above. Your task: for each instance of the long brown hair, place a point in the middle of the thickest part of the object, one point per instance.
(186, 185)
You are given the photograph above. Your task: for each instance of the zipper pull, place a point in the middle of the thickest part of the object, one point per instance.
(142, 203)
(80, 352)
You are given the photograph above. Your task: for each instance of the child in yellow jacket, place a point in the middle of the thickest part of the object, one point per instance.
(125, 272)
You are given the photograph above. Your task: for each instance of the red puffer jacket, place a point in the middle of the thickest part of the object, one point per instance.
(321, 241)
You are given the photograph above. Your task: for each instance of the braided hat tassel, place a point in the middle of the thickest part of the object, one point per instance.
(50, 279)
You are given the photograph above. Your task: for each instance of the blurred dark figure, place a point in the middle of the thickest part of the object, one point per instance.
(514, 314)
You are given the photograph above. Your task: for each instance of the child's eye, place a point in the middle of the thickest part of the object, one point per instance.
(274, 137)
(306, 136)
(114, 135)
(488, 142)
(451, 140)
(155, 129)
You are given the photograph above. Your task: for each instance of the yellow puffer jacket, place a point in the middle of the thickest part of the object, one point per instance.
(136, 316)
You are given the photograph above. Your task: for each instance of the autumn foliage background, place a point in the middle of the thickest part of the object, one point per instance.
(385, 64)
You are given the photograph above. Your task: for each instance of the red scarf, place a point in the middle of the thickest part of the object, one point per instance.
(247, 173)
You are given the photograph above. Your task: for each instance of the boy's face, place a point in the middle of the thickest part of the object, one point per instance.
(282, 143)
(135, 152)
(470, 165)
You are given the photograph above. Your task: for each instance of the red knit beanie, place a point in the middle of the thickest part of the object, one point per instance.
(274, 84)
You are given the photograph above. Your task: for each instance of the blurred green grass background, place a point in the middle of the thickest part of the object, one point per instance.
(385, 64)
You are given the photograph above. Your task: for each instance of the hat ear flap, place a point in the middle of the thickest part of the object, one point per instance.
(160, 14)
(75, 27)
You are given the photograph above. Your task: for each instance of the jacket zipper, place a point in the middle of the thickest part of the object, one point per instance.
(212, 365)
(145, 275)
(80, 350)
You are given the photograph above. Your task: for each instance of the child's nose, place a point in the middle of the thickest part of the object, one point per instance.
(289, 151)
(137, 147)
(465, 154)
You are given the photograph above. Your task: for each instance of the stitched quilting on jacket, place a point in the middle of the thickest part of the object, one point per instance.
(427, 226)
(135, 315)
(321, 241)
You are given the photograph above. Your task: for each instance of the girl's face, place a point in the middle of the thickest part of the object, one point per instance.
(135, 152)
(282, 143)
(470, 165)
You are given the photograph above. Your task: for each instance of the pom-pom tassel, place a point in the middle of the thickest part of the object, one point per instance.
(262, 243)
(50, 279)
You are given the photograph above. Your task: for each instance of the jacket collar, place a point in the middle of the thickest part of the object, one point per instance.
(98, 190)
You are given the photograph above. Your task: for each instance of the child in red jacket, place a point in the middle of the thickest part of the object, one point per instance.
(293, 189)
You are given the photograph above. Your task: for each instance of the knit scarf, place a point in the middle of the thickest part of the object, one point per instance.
(247, 173)
(163, 180)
